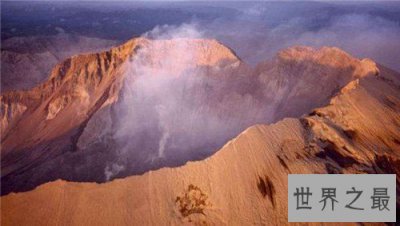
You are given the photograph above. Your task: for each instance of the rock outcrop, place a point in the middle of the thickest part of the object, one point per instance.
(27, 61)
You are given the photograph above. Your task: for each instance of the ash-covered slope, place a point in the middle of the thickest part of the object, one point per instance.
(245, 182)
(148, 104)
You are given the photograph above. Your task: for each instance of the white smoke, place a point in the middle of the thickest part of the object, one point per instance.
(112, 170)
(174, 111)
(185, 30)
(163, 119)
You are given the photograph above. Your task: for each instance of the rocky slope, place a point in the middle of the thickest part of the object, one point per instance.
(94, 111)
(27, 61)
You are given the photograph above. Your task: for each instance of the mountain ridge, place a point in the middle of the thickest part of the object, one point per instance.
(288, 146)
(346, 125)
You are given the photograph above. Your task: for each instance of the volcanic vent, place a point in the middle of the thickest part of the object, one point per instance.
(153, 103)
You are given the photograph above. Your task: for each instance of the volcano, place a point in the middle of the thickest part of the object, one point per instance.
(182, 131)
